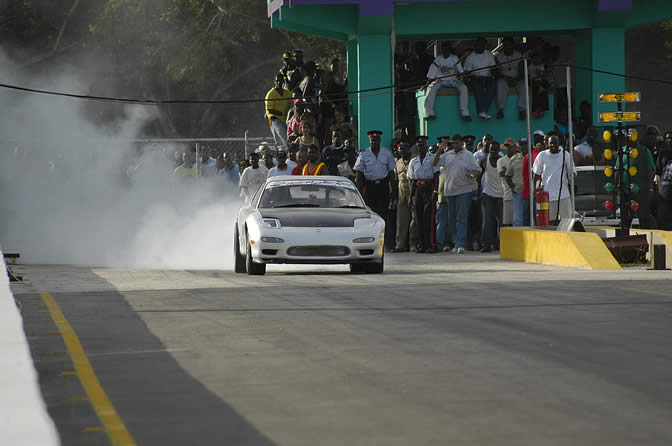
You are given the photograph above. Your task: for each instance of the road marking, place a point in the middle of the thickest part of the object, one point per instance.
(68, 373)
(112, 423)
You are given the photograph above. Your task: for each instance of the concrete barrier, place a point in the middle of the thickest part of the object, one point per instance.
(575, 249)
(23, 414)
(654, 236)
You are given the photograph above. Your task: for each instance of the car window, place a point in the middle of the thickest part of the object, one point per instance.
(309, 194)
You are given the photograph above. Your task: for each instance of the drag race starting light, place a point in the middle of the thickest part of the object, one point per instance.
(619, 116)
(608, 98)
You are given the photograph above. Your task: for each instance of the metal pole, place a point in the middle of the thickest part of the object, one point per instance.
(198, 160)
(570, 140)
(530, 144)
(246, 154)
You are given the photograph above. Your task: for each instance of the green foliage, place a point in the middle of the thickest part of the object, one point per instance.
(170, 49)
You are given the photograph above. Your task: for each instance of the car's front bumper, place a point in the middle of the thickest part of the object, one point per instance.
(318, 246)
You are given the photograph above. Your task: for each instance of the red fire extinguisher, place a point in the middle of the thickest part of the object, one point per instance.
(542, 208)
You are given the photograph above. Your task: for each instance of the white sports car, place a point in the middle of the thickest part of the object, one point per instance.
(308, 219)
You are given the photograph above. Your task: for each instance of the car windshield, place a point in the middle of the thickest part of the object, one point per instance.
(310, 195)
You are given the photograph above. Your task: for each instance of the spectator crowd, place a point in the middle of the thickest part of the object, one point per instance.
(454, 194)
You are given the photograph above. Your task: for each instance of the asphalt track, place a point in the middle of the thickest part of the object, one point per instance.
(441, 349)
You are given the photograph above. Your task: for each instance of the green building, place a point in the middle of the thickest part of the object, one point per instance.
(372, 28)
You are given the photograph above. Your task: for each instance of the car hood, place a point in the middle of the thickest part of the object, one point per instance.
(316, 218)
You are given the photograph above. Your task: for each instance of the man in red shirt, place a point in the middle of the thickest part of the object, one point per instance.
(301, 160)
(538, 147)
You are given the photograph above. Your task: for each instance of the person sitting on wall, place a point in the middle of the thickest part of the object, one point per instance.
(509, 75)
(481, 80)
(443, 73)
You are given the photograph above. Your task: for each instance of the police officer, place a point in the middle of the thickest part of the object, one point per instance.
(423, 176)
(404, 198)
(374, 175)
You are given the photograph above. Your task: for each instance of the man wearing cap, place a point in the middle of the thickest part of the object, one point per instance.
(277, 104)
(443, 73)
(462, 171)
(404, 198)
(314, 166)
(374, 174)
(423, 176)
(282, 168)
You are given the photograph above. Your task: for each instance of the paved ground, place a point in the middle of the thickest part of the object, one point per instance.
(441, 349)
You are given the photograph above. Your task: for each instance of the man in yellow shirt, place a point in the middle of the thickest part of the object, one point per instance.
(277, 105)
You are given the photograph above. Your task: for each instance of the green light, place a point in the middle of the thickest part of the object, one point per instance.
(609, 187)
(634, 188)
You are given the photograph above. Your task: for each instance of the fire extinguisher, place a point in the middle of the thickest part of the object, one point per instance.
(542, 208)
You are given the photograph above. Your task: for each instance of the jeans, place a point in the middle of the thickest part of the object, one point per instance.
(279, 132)
(458, 215)
(493, 209)
(484, 91)
(519, 209)
(441, 224)
(526, 212)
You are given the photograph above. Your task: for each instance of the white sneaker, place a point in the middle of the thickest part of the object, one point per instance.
(453, 251)
(484, 115)
(460, 250)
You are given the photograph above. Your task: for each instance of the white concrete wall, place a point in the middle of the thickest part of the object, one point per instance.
(23, 414)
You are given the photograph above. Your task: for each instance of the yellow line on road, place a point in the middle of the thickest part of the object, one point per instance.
(114, 426)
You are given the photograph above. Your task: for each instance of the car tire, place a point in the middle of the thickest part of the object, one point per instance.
(238, 258)
(357, 268)
(376, 268)
(253, 269)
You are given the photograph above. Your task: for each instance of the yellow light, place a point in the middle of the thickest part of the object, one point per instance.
(632, 171)
(619, 97)
(608, 171)
(606, 136)
(619, 116)
(608, 154)
(634, 135)
(634, 153)
(252, 242)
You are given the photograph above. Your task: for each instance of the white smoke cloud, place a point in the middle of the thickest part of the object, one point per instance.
(65, 197)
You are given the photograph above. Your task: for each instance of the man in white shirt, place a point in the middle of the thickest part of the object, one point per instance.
(282, 168)
(482, 82)
(443, 73)
(461, 172)
(510, 76)
(502, 167)
(252, 178)
(551, 168)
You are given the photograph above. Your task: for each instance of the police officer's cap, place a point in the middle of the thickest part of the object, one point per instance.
(374, 133)
(421, 138)
(403, 144)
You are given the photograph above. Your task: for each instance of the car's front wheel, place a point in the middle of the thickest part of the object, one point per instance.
(253, 269)
(238, 258)
(377, 267)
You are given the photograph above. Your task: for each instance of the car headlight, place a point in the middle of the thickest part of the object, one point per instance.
(364, 222)
(272, 240)
(271, 223)
(364, 240)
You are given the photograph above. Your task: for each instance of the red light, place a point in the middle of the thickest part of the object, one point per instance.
(608, 205)
(634, 206)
